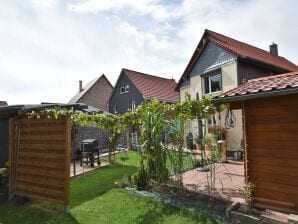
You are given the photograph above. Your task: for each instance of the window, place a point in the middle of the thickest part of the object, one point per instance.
(127, 88)
(133, 105)
(212, 83)
(124, 89)
(211, 122)
(115, 109)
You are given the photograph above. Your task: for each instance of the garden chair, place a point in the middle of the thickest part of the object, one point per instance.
(135, 143)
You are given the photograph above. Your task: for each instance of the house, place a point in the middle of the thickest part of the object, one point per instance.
(270, 109)
(133, 87)
(220, 63)
(3, 103)
(96, 93)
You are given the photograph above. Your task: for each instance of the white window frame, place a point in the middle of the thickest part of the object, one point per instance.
(209, 81)
(133, 104)
(115, 109)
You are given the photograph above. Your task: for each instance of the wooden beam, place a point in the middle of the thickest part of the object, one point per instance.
(10, 156)
(67, 163)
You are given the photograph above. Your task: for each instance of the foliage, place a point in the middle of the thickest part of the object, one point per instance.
(219, 132)
(248, 193)
(3, 180)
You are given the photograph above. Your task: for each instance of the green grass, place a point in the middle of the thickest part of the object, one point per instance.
(95, 199)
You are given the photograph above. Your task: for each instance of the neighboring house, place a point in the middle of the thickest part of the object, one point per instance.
(133, 87)
(3, 103)
(270, 109)
(96, 93)
(220, 63)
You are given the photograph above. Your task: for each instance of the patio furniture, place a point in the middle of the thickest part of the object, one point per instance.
(89, 152)
(135, 143)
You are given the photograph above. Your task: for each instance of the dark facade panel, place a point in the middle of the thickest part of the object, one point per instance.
(3, 141)
(249, 70)
(123, 101)
(213, 57)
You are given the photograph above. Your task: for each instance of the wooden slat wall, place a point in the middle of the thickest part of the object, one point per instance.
(272, 149)
(40, 158)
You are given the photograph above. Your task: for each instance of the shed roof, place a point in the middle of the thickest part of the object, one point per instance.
(241, 49)
(153, 87)
(277, 84)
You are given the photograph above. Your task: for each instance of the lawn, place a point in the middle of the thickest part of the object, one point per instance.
(95, 199)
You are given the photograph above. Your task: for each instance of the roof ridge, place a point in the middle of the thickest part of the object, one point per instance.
(141, 73)
(250, 45)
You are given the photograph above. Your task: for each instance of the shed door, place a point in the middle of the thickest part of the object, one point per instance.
(272, 147)
(40, 158)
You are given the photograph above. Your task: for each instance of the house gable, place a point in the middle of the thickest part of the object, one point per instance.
(212, 58)
(98, 95)
(123, 101)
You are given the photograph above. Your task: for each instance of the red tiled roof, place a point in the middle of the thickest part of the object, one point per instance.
(153, 87)
(265, 84)
(240, 49)
(248, 51)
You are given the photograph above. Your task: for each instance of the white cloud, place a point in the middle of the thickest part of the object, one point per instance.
(47, 46)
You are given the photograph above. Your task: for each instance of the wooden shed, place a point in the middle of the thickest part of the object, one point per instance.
(270, 121)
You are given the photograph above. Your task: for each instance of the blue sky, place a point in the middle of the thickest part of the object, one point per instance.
(47, 46)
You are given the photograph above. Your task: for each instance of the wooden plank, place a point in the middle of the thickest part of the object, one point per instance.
(291, 163)
(41, 155)
(35, 195)
(40, 171)
(38, 179)
(42, 163)
(11, 157)
(43, 121)
(40, 190)
(273, 152)
(284, 188)
(43, 128)
(43, 146)
(43, 137)
(269, 177)
(275, 170)
(67, 160)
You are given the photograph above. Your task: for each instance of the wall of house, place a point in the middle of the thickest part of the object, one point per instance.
(248, 70)
(212, 59)
(98, 95)
(3, 141)
(123, 101)
(272, 154)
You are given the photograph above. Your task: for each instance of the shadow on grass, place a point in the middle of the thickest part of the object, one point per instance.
(87, 187)
(83, 189)
(158, 213)
(11, 213)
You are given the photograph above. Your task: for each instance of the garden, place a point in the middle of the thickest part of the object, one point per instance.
(137, 187)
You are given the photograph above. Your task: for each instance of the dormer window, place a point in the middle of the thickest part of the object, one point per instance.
(124, 89)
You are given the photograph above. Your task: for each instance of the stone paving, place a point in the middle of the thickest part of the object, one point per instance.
(229, 180)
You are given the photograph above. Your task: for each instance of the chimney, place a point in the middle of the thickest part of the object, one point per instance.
(273, 49)
(80, 86)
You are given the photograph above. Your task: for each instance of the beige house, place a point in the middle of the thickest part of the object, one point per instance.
(220, 63)
(95, 93)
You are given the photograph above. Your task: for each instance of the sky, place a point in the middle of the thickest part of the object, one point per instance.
(47, 46)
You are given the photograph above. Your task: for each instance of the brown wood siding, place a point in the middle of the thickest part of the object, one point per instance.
(40, 158)
(272, 150)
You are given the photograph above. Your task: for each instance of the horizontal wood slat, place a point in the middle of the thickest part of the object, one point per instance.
(272, 150)
(40, 154)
